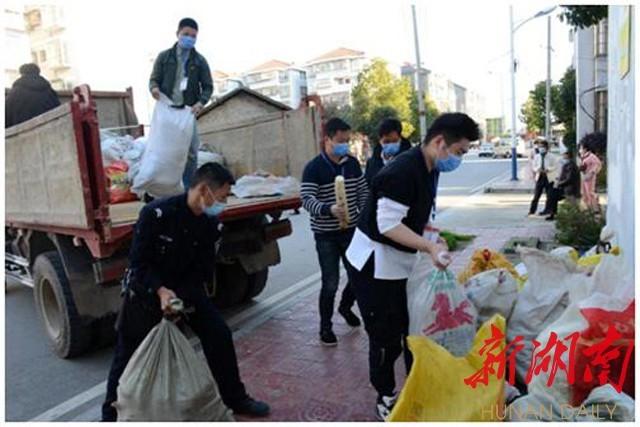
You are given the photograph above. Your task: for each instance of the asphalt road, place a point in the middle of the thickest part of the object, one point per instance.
(36, 380)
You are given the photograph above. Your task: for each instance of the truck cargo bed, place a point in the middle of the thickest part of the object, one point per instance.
(127, 213)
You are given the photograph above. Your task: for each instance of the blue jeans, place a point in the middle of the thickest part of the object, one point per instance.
(192, 159)
(330, 251)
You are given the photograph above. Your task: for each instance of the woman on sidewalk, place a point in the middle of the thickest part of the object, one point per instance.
(590, 166)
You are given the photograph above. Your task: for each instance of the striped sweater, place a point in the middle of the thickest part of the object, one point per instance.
(318, 193)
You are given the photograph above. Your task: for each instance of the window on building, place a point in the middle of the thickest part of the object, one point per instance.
(601, 38)
(339, 65)
(284, 92)
(601, 111)
(34, 57)
(283, 76)
(42, 56)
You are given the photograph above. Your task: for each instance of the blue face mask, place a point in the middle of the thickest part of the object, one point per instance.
(186, 42)
(341, 149)
(391, 148)
(449, 164)
(215, 209)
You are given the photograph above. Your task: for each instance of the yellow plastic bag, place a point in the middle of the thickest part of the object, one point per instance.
(483, 260)
(435, 389)
(592, 261)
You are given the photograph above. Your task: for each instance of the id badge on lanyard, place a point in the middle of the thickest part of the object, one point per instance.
(185, 79)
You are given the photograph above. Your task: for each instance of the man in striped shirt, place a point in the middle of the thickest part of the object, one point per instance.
(319, 198)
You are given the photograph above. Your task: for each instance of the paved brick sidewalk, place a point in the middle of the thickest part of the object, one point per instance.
(283, 363)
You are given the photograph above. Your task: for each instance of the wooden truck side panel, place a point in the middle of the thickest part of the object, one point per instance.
(45, 183)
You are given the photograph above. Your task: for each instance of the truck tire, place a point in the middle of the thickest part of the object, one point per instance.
(232, 284)
(68, 334)
(257, 283)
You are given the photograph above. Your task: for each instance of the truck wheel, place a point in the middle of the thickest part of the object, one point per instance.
(231, 285)
(67, 332)
(257, 282)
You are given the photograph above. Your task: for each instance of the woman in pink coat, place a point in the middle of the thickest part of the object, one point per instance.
(590, 166)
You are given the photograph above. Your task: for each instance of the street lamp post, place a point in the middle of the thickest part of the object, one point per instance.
(547, 103)
(512, 70)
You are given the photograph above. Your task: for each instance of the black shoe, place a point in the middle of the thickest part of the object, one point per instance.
(252, 407)
(328, 338)
(349, 317)
(550, 218)
(543, 213)
(384, 406)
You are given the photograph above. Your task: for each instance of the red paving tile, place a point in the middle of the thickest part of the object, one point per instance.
(283, 363)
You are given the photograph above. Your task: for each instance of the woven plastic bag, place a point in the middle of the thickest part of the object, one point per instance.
(118, 182)
(435, 389)
(165, 154)
(597, 302)
(441, 311)
(542, 300)
(492, 292)
(166, 380)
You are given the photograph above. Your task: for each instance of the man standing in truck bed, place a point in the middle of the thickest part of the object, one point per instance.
(173, 255)
(183, 75)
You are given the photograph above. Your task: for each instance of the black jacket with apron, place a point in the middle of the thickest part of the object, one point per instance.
(407, 181)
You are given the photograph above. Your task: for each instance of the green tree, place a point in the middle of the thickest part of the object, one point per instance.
(564, 107)
(533, 110)
(343, 112)
(378, 95)
(431, 112)
(583, 16)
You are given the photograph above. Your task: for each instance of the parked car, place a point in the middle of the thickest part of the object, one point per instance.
(502, 149)
(486, 150)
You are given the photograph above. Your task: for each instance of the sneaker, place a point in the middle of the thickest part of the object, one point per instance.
(384, 405)
(328, 338)
(349, 317)
(550, 218)
(531, 215)
(252, 407)
(543, 213)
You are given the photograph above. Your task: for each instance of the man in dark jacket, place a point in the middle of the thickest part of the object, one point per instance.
(567, 185)
(183, 75)
(390, 145)
(172, 255)
(30, 96)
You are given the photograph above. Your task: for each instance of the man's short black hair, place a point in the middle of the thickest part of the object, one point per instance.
(454, 127)
(188, 22)
(389, 125)
(214, 175)
(26, 69)
(334, 125)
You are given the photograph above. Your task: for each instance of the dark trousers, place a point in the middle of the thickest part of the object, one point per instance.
(556, 195)
(330, 251)
(542, 185)
(208, 325)
(383, 304)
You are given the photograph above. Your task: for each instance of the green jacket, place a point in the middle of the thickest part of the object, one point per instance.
(199, 84)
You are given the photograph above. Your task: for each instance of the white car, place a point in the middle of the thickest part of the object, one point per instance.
(486, 150)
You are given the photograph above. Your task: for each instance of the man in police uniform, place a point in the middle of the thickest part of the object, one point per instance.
(389, 233)
(173, 255)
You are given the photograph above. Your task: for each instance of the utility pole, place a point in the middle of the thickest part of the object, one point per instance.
(514, 133)
(547, 106)
(420, 82)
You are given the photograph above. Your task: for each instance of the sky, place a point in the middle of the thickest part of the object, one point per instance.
(112, 43)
